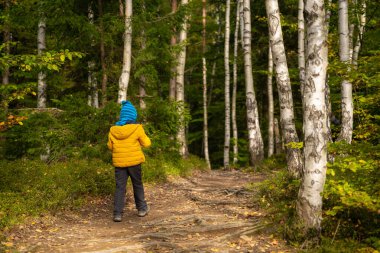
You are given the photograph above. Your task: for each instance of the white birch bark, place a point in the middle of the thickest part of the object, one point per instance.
(301, 45)
(255, 141)
(127, 53)
(227, 123)
(293, 155)
(309, 203)
(93, 98)
(234, 87)
(41, 45)
(351, 29)
(180, 85)
(204, 80)
(346, 87)
(173, 42)
(270, 105)
(362, 21)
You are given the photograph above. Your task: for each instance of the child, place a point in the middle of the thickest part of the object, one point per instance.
(125, 141)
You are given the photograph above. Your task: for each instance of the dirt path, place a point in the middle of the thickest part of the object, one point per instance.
(209, 212)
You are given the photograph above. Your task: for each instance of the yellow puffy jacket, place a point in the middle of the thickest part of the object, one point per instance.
(125, 143)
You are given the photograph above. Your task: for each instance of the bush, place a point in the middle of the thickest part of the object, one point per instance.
(351, 198)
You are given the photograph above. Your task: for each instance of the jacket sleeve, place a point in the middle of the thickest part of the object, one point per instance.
(144, 139)
(109, 143)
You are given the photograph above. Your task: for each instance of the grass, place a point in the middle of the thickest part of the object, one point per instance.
(30, 187)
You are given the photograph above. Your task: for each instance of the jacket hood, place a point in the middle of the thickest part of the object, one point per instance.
(123, 132)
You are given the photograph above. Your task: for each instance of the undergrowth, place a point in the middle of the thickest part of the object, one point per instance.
(30, 187)
(351, 199)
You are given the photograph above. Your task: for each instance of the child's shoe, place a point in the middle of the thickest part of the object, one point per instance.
(117, 218)
(142, 213)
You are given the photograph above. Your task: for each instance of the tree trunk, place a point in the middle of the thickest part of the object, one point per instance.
(227, 123)
(277, 137)
(301, 45)
(93, 98)
(344, 55)
(180, 86)
(255, 141)
(142, 85)
(270, 104)
(173, 42)
(127, 53)
(121, 8)
(362, 20)
(102, 54)
(7, 40)
(234, 86)
(293, 155)
(41, 45)
(204, 79)
(309, 203)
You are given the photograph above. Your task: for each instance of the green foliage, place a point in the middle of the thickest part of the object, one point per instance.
(352, 191)
(351, 198)
(28, 187)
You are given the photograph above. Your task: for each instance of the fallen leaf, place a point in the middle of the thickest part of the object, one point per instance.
(7, 244)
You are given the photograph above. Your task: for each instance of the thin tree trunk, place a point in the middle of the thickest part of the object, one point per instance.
(277, 137)
(301, 45)
(102, 54)
(351, 29)
(127, 53)
(93, 98)
(362, 20)
(121, 8)
(41, 45)
(142, 85)
(234, 86)
(173, 42)
(344, 55)
(204, 75)
(7, 40)
(227, 123)
(180, 86)
(293, 155)
(329, 113)
(255, 141)
(270, 104)
(309, 203)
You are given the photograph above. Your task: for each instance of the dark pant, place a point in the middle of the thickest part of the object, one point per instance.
(121, 177)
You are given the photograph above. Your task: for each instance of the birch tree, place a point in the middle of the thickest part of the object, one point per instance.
(180, 83)
(301, 45)
(255, 141)
(346, 86)
(277, 137)
(362, 21)
(309, 203)
(41, 46)
(127, 53)
(93, 99)
(227, 126)
(289, 133)
(173, 42)
(234, 86)
(270, 105)
(204, 80)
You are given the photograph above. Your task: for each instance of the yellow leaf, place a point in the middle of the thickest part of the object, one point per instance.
(20, 123)
(33, 93)
(7, 244)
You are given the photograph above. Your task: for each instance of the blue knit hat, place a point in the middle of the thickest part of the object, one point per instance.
(128, 114)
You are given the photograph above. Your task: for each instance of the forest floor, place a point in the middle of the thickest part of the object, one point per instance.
(207, 212)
